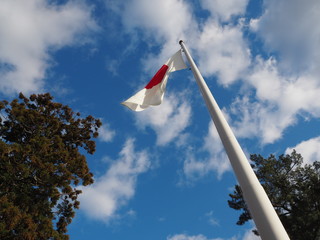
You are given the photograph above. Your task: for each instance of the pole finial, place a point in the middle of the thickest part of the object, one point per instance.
(181, 41)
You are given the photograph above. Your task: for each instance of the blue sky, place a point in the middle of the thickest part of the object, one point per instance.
(162, 174)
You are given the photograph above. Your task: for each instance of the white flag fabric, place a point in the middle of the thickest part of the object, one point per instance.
(152, 94)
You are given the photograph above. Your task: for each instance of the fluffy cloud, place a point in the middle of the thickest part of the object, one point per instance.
(288, 26)
(169, 120)
(167, 18)
(217, 160)
(222, 51)
(186, 237)
(281, 94)
(29, 31)
(116, 187)
(309, 150)
(106, 134)
(277, 102)
(285, 86)
(162, 22)
(258, 119)
(224, 10)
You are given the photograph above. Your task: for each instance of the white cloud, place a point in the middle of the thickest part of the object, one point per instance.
(225, 9)
(289, 26)
(106, 134)
(285, 86)
(29, 31)
(266, 79)
(222, 51)
(280, 95)
(309, 149)
(217, 161)
(163, 22)
(277, 102)
(258, 119)
(186, 237)
(167, 18)
(169, 120)
(116, 187)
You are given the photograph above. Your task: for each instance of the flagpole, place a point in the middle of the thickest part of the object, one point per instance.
(265, 217)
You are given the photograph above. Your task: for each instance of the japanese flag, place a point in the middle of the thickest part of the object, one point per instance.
(152, 93)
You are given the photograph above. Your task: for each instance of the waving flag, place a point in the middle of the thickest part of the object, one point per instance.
(152, 93)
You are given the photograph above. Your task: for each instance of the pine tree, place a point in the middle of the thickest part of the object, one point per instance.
(41, 165)
(293, 189)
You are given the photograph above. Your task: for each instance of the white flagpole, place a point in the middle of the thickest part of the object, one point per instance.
(265, 217)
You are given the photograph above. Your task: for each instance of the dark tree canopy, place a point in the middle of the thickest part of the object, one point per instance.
(294, 190)
(41, 165)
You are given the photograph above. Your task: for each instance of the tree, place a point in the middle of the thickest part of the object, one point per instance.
(293, 189)
(41, 165)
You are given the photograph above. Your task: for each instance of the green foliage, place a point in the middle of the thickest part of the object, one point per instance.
(41, 166)
(294, 190)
